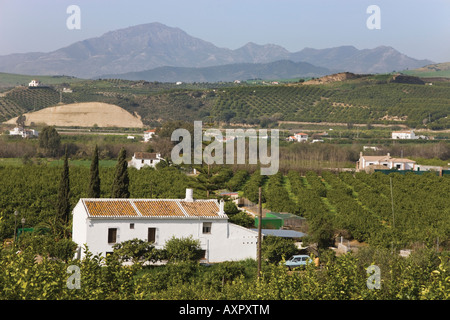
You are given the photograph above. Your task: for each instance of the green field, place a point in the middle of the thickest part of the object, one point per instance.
(18, 162)
(431, 71)
(429, 74)
(8, 80)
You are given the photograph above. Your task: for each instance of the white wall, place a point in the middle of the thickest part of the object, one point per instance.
(225, 242)
(79, 227)
(403, 135)
(137, 163)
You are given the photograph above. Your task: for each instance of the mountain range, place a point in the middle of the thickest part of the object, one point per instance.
(156, 50)
(280, 69)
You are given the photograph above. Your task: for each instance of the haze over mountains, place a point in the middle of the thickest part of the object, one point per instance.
(156, 52)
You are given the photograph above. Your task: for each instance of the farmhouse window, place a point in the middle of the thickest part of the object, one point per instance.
(207, 227)
(112, 235)
(151, 234)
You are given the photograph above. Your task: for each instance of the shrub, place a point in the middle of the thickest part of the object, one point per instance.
(183, 249)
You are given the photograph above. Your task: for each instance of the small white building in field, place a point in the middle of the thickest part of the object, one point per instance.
(101, 223)
(384, 162)
(34, 83)
(299, 137)
(407, 134)
(24, 133)
(148, 134)
(142, 159)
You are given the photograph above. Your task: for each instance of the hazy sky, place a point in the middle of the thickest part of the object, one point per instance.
(420, 29)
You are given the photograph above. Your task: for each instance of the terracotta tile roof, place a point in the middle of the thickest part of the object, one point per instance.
(152, 208)
(376, 158)
(156, 208)
(110, 208)
(401, 160)
(386, 158)
(200, 209)
(144, 155)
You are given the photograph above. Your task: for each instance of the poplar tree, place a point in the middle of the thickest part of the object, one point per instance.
(63, 204)
(121, 179)
(94, 183)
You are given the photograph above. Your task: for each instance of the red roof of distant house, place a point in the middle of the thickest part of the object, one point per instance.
(145, 155)
(153, 130)
(301, 134)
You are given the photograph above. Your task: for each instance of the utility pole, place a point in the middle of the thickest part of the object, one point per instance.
(259, 233)
(393, 217)
(16, 213)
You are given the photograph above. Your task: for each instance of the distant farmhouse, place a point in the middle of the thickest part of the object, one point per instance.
(366, 163)
(142, 159)
(370, 163)
(24, 133)
(407, 134)
(34, 83)
(149, 134)
(299, 137)
(101, 223)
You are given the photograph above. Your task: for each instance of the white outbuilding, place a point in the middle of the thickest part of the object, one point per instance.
(142, 159)
(299, 137)
(34, 83)
(404, 135)
(383, 162)
(100, 223)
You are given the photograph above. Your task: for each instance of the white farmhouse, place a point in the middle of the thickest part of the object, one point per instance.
(142, 159)
(29, 133)
(17, 131)
(384, 162)
(148, 134)
(408, 134)
(299, 137)
(100, 223)
(24, 133)
(34, 83)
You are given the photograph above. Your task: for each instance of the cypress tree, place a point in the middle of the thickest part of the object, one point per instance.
(121, 179)
(94, 183)
(63, 204)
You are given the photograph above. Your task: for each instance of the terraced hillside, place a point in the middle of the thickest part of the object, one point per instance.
(367, 99)
(355, 101)
(9, 109)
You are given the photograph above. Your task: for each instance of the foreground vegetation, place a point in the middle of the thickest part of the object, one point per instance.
(424, 275)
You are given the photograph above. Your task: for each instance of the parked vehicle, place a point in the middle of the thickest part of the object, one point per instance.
(298, 261)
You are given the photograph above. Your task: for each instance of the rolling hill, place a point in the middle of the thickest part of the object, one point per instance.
(9, 80)
(438, 70)
(87, 114)
(344, 98)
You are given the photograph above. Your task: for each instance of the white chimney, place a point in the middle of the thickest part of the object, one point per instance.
(221, 207)
(189, 195)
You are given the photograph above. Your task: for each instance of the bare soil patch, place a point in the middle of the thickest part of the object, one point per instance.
(85, 114)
